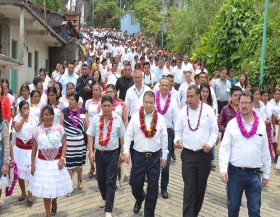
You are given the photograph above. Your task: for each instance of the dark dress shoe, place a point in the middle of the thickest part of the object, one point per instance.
(164, 194)
(137, 207)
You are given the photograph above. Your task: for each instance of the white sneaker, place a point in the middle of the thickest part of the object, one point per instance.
(108, 214)
(102, 203)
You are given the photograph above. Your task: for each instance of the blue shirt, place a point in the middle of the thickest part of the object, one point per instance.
(233, 81)
(65, 79)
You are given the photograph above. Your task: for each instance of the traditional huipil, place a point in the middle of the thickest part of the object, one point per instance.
(49, 181)
(92, 107)
(35, 109)
(23, 145)
(57, 111)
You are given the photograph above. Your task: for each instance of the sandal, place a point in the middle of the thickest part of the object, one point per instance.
(21, 198)
(80, 185)
(90, 174)
(53, 210)
(29, 202)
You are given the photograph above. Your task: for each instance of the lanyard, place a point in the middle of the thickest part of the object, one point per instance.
(137, 93)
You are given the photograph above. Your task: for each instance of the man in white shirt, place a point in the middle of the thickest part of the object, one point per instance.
(183, 88)
(186, 65)
(150, 144)
(125, 55)
(178, 73)
(196, 132)
(243, 152)
(149, 78)
(168, 108)
(134, 95)
(106, 155)
(112, 76)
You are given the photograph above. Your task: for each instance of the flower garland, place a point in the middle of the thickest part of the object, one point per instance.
(241, 127)
(115, 103)
(9, 190)
(166, 106)
(199, 117)
(75, 123)
(108, 136)
(269, 136)
(148, 133)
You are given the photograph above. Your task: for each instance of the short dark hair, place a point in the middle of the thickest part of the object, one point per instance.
(263, 92)
(47, 107)
(22, 103)
(36, 80)
(223, 68)
(234, 88)
(33, 92)
(146, 64)
(196, 89)
(255, 89)
(149, 93)
(247, 94)
(202, 73)
(127, 63)
(75, 95)
(85, 65)
(142, 58)
(106, 99)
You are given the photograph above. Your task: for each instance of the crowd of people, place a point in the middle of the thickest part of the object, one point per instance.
(128, 100)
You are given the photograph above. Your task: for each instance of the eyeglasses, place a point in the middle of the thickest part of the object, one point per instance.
(126, 69)
(245, 103)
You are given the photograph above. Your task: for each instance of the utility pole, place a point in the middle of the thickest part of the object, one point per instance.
(92, 13)
(263, 43)
(162, 24)
(121, 15)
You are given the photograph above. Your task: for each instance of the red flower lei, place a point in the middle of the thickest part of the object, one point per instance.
(108, 136)
(148, 133)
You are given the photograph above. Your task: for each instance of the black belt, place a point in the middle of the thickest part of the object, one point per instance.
(106, 151)
(200, 150)
(247, 169)
(169, 130)
(148, 154)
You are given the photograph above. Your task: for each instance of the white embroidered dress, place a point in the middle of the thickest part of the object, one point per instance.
(49, 181)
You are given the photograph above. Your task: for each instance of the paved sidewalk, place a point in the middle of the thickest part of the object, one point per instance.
(86, 202)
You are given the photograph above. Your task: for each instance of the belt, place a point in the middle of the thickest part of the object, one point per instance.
(26, 146)
(148, 154)
(169, 130)
(200, 150)
(41, 156)
(247, 169)
(106, 151)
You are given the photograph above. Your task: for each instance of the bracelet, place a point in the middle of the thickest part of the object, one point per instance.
(62, 158)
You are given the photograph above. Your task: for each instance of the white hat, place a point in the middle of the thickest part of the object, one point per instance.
(194, 74)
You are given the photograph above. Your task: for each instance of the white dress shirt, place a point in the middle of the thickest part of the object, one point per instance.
(206, 133)
(149, 79)
(143, 144)
(188, 67)
(183, 93)
(179, 76)
(170, 116)
(134, 98)
(262, 111)
(243, 152)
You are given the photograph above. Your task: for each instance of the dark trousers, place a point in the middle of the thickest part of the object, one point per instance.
(165, 171)
(107, 168)
(221, 105)
(142, 165)
(239, 181)
(196, 168)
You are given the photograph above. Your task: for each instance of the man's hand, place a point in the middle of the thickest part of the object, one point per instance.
(224, 177)
(122, 158)
(87, 89)
(264, 182)
(163, 163)
(127, 158)
(91, 157)
(206, 148)
(178, 145)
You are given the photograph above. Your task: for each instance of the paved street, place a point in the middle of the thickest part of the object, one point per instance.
(86, 202)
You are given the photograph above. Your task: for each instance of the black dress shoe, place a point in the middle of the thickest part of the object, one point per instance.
(137, 207)
(164, 194)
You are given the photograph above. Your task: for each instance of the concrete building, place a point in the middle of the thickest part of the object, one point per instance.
(129, 23)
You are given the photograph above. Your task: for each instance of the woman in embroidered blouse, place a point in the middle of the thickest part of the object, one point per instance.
(40, 88)
(5, 105)
(36, 104)
(24, 94)
(275, 108)
(53, 101)
(93, 106)
(24, 124)
(75, 121)
(58, 87)
(50, 178)
(119, 106)
(70, 87)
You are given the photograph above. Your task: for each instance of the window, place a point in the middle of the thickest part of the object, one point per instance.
(14, 49)
(133, 19)
(29, 60)
(36, 63)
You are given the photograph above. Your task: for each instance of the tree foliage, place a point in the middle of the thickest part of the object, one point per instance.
(51, 4)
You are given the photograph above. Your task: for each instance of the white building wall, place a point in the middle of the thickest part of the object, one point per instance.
(32, 42)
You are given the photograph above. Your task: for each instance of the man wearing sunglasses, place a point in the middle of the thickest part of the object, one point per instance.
(124, 82)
